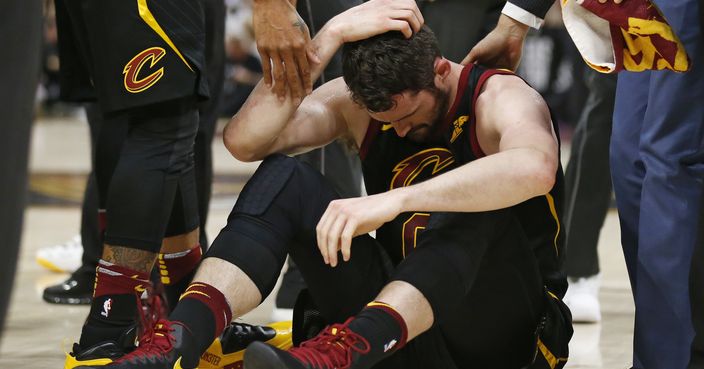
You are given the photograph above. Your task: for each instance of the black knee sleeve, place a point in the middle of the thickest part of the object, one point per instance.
(154, 165)
(254, 247)
(266, 183)
(276, 213)
(259, 228)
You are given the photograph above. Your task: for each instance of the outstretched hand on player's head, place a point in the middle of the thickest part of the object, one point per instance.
(376, 17)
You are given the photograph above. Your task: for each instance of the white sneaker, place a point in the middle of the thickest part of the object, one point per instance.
(62, 258)
(583, 299)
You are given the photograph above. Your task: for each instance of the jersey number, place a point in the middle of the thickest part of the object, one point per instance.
(405, 174)
(411, 227)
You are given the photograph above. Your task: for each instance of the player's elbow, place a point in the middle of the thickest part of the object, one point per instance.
(541, 173)
(238, 146)
(240, 151)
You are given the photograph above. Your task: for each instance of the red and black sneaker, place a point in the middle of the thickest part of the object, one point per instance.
(150, 309)
(336, 347)
(159, 349)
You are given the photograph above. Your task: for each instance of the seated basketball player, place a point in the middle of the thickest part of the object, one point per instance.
(462, 168)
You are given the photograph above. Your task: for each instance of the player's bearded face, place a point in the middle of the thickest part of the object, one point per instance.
(416, 116)
(421, 131)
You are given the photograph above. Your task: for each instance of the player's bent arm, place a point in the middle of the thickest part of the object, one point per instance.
(327, 114)
(257, 129)
(253, 132)
(522, 155)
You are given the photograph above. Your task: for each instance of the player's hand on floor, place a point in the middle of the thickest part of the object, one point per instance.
(283, 41)
(347, 218)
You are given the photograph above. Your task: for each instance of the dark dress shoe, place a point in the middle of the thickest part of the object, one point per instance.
(76, 290)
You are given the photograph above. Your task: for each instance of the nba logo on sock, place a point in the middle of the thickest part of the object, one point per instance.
(107, 305)
(389, 345)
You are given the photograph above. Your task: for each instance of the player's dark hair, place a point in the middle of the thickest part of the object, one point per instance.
(385, 65)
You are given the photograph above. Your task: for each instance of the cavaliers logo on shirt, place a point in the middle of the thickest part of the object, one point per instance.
(405, 174)
(138, 75)
(407, 170)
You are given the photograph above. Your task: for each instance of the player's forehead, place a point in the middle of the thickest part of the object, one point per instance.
(405, 104)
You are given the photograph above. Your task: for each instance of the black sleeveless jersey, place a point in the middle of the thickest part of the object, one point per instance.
(389, 161)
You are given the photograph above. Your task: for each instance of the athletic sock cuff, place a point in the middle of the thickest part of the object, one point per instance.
(214, 300)
(396, 316)
(111, 279)
(175, 266)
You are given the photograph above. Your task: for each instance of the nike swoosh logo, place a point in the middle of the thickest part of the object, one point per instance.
(177, 364)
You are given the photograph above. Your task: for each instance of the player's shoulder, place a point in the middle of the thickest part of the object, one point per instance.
(499, 81)
(501, 90)
(507, 94)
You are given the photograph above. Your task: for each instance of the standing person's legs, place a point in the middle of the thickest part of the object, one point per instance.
(155, 166)
(587, 177)
(93, 215)
(588, 193)
(90, 226)
(20, 35)
(672, 150)
(181, 265)
(78, 288)
(627, 170)
(696, 281)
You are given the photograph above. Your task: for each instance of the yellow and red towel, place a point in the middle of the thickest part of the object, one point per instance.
(632, 36)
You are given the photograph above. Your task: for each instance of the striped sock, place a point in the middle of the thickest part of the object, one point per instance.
(205, 312)
(383, 327)
(114, 306)
(176, 270)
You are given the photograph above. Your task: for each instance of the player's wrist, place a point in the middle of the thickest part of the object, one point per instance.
(404, 197)
(512, 27)
(331, 33)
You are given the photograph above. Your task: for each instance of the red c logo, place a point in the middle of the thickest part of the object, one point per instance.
(132, 82)
(405, 174)
(407, 170)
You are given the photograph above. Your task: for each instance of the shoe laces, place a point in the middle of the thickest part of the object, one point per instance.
(157, 341)
(151, 309)
(331, 348)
